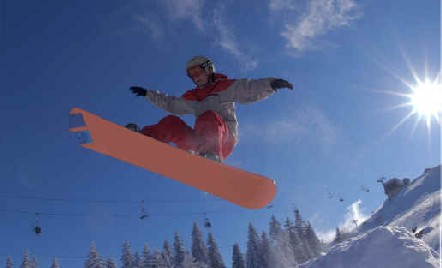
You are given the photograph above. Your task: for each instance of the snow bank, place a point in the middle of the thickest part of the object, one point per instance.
(392, 247)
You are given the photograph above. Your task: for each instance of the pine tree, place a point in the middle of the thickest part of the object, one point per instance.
(34, 262)
(157, 260)
(299, 222)
(126, 258)
(274, 228)
(137, 261)
(93, 260)
(167, 255)
(179, 251)
(237, 257)
(298, 246)
(283, 252)
(110, 263)
(9, 263)
(288, 224)
(304, 233)
(252, 255)
(265, 251)
(199, 249)
(313, 241)
(338, 236)
(188, 262)
(55, 263)
(26, 263)
(147, 257)
(215, 258)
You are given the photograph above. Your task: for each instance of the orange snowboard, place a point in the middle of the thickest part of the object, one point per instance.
(242, 188)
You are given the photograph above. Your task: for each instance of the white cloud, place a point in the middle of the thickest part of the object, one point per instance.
(212, 23)
(281, 5)
(186, 9)
(228, 42)
(320, 17)
(151, 24)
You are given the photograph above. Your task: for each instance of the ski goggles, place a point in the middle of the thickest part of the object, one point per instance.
(195, 71)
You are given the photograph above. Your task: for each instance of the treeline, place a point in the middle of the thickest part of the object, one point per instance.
(285, 244)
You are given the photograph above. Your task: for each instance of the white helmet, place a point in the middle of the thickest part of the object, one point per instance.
(202, 61)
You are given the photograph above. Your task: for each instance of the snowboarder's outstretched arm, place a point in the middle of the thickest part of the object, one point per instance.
(171, 104)
(252, 90)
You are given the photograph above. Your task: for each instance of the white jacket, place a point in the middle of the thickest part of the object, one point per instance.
(219, 97)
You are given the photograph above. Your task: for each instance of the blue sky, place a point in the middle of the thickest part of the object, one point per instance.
(337, 131)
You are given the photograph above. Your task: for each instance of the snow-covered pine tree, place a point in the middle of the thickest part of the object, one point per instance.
(283, 251)
(137, 262)
(292, 237)
(9, 263)
(188, 262)
(126, 257)
(288, 224)
(274, 228)
(93, 260)
(199, 249)
(252, 255)
(300, 225)
(157, 260)
(26, 262)
(55, 263)
(299, 222)
(34, 262)
(110, 263)
(179, 251)
(298, 245)
(215, 257)
(147, 257)
(302, 230)
(313, 241)
(265, 251)
(167, 255)
(237, 257)
(338, 236)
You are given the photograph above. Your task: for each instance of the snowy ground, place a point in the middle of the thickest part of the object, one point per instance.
(387, 238)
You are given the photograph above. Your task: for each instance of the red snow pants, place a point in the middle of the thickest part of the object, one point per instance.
(209, 135)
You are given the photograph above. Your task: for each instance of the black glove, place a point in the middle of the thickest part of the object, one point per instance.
(280, 83)
(139, 91)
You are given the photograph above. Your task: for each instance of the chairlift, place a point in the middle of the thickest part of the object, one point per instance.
(365, 189)
(143, 213)
(207, 223)
(37, 228)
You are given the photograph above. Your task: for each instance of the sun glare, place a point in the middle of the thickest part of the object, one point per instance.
(426, 100)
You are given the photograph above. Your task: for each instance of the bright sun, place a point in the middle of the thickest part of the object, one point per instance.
(426, 100)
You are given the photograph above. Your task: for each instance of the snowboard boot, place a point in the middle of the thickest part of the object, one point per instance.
(212, 156)
(133, 127)
(192, 152)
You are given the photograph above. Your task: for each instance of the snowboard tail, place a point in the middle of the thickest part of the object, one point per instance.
(240, 187)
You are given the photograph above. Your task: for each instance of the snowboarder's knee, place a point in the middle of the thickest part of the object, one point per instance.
(171, 120)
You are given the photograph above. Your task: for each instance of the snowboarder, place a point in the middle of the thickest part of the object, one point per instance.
(212, 102)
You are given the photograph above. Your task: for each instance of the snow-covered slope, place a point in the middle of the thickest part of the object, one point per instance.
(416, 206)
(392, 247)
(387, 238)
